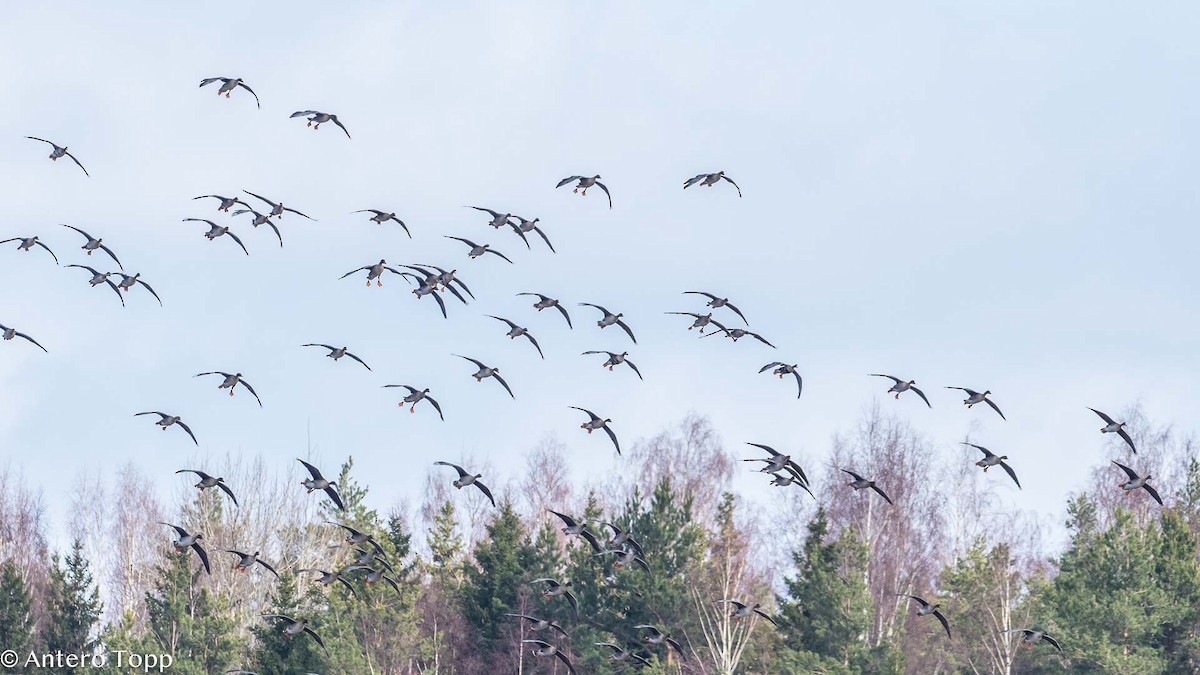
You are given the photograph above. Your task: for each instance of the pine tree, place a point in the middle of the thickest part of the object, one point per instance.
(501, 568)
(73, 606)
(16, 626)
(277, 654)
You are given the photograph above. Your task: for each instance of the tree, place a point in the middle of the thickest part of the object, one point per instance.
(74, 606)
(277, 654)
(16, 626)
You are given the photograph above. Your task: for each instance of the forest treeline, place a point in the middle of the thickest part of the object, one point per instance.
(1122, 595)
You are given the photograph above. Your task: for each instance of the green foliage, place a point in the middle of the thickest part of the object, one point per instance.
(16, 625)
(73, 606)
(277, 654)
(187, 621)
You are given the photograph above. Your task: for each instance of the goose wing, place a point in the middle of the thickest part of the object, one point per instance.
(739, 189)
(312, 470)
(495, 252)
(1011, 474)
(486, 492)
(945, 624)
(183, 425)
(251, 390)
(73, 159)
(561, 183)
(496, 376)
(922, 395)
(1128, 471)
(604, 187)
(203, 557)
(364, 364)
(337, 499)
(462, 473)
(996, 408)
(256, 101)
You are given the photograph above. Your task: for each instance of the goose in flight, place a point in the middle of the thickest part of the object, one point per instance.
(899, 386)
(319, 482)
(327, 578)
(546, 302)
(626, 558)
(498, 220)
(215, 231)
(27, 244)
(207, 481)
(574, 527)
(546, 649)
(622, 539)
(478, 250)
(60, 151)
(778, 462)
(464, 479)
(782, 369)
(717, 302)
(657, 637)
(1135, 481)
(709, 180)
(101, 278)
(925, 609)
(231, 381)
(374, 576)
(316, 119)
(487, 371)
(374, 272)
(7, 333)
(225, 204)
(228, 84)
(358, 536)
(1030, 637)
(527, 226)
(382, 217)
(128, 282)
(736, 334)
(595, 422)
(622, 655)
(609, 319)
(448, 279)
(165, 421)
(415, 396)
(336, 353)
(1111, 427)
(742, 611)
(431, 282)
(991, 459)
(701, 320)
(94, 244)
(860, 483)
(262, 219)
(554, 589)
(537, 625)
(974, 397)
(247, 560)
(191, 541)
(427, 287)
(616, 360)
(585, 182)
(294, 628)
(277, 208)
(515, 331)
(790, 478)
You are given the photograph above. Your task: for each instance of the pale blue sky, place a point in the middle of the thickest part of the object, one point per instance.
(992, 195)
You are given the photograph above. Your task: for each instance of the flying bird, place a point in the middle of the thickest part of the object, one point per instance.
(554, 589)
(546, 649)
(925, 609)
(262, 219)
(101, 278)
(515, 331)
(622, 539)
(447, 279)
(860, 483)
(620, 654)
(626, 558)
(228, 84)
(27, 244)
(374, 272)
(478, 250)
(574, 527)
(165, 421)
(374, 576)
(657, 637)
(701, 320)
(1031, 637)
(487, 371)
(742, 611)
(782, 369)
(899, 386)
(358, 536)
(990, 459)
(231, 381)
(319, 482)
(1135, 481)
(717, 302)
(585, 182)
(128, 282)
(327, 578)
(7, 333)
(778, 462)
(225, 204)
(537, 625)
(464, 479)
(382, 217)
(546, 302)
(974, 397)
(191, 541)
(609, 319)
(336, 353)
(736, 334)
(218, 231)
(595, 422)
(498, 220)
(277, 208)
(246, 561)
(295, 628)
(94, 244)
(207, 481)
(616, 360)
(1111, 427)
(415, 396)
(60, 151)
(316, 119)
(711, 179)
(527, 226)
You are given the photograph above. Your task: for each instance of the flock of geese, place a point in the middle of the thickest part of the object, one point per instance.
(622, 548)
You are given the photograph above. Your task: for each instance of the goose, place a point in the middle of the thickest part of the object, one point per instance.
(317, 118)
(207, 481)
(370, 557)
(228, 84)
(426, 287)
(609, 319)
(899, 386)
(974, 397)
(336, 353)
(711, 179)
(225, 204)
(925, 609)
(546, 649)
(1111, 427)
(777, 462)
(515, 331)
(60, 151)
(790, 478)
(94, 244)
(431, 283)
(478, 250)
(374, 576)
(448, 279)
(499, 220)
(657, 637)
(574, 527)
(616, 360)
(295, 628)
(277, 208)
(218, 231)
(247, 561)
(621, 655)
(487, 371)
(128, 282)
(537, 625)
(165, 421)
(327, 578)
(358, 536)
(743, 611)
(585, 182)
(1135, 481)
(595, 422)
(319, 482)
(717, 302)
(554, 589)
(546, 302)
(527, 226)
(7, 333)
(1031, 637)
(464, 479)
(701, 320)
(782, 369)
(621, 539)
(374, 272)
(27, 244)
(626, 558)
(859, 483)
(191, 541)
(990, 460)
(262, 219)
(736, 334)
(101, 278)
(415, 396)
(231, 381)
(382, 217)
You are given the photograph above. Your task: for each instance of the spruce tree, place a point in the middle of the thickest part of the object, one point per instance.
(16, 627)
(73, 606)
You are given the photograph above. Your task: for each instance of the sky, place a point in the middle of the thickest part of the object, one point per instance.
(997, 196)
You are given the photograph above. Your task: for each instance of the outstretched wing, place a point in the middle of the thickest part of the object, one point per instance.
(312, 470)
(462, 473)
(561, 183)
(73, 159)
(359, 360)
(251, 390)
(800, 384)
(492, 250)
(1153, 493)
(627, 331)
(1128, 471)
(1011, 474)
(239, 241)
(566, 316)
(739, 189)
(635, 369)
(256, 101)
(185, 427)
(604, 187)
(882, 494)
(1106, 418)
(487, 493)
(594, 417)
(693, 180)
(226, 490)
(1125, 435)
(996, 408)
(945, 624)
(47, 250)
(339, 123)
(612, 436)
(499, 379)
(203, 557)
(335, 497)
(922, 395)
(148, 287)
